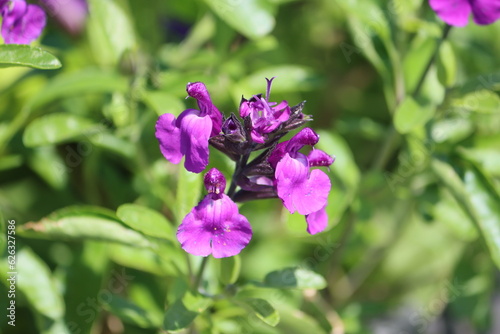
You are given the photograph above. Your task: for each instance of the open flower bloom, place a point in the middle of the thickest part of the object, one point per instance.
(265, 116)
(457, 12)
(301, 189)
(214, 226)
(188, 134)
(21, 23)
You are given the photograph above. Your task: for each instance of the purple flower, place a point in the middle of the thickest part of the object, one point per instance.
(188, 134)
(214, 226)
(71, 14)
(22, 23)
(457, 12)
(265, 116)
(301, 189)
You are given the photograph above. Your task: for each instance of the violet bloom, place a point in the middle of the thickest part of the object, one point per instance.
(22, 23)
(71, 14)
(457, 12)
(188, 134)
(214, 226)
(265, 116)
(301, 189)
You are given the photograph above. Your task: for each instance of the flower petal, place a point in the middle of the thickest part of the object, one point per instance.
(194, 132)
(199, 91)
(319, 158)
(317, 221)
(214, 227)
(168, 136)
(306, 136)
(485, 11)
(298, 189)
(453, 12)
(23, 24)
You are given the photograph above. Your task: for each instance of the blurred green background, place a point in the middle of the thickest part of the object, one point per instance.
(413, 242)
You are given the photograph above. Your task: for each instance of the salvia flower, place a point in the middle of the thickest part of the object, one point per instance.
(214, 226)
(21, 22)
(265, 116)
(457, 12)
(281, 170)
(187, 136)
(301, 189)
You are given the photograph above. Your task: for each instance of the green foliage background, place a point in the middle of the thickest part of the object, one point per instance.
(414, 214)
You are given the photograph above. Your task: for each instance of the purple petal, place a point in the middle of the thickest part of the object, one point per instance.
(199, 91)
(318, 158)
(214, 181)
(168, 136)
(306, 136)
(71, 14)
(277, 154)
(317, 221)
(23, 24)
(214, 227)
(485, 11)
(244, 108)
(195, 132)
(453, 12)
(298, 189)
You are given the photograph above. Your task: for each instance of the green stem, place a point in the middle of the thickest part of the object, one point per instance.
(446, 31)
(392, 136)
(199, 276)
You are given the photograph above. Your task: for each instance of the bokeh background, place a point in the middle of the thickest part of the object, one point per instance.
(413, 242)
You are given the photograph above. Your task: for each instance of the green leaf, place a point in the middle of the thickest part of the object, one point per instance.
(84, 277)
(57, 128)
(448, 212)
(479, 201)
(229, 269)
(163, 103)
(83, 227)
(35, 281)
(446, 64)
(88, 80)
(252, 18)
(27, 56)
(111, 143)
(188, 192)
(486, 202)
(131, 313)
(145, 220)
(410, 115)
(480, 101)
(167, 260)
(184, 310)
(110, 30)
(451, 130)
(263, 310)
(295, 278)
(49, 166)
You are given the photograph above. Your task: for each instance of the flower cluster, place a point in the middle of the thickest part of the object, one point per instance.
(281, 170)
(21, 22)
(457, 12)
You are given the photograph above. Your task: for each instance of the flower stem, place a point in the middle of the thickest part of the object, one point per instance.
(199, 276)
(446, 31)
(237, 170)
(392, 135)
